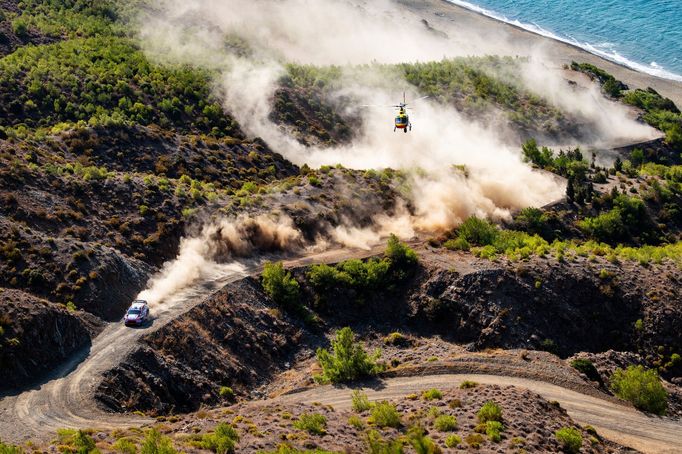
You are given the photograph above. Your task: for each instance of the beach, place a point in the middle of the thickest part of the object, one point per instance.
(453, 19)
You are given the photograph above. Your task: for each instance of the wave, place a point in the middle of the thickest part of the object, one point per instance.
(653, 68)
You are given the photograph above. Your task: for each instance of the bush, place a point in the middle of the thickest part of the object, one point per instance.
(226, 392)
(569, 439)
(431, 394)
(474, 440)
(421, 443)
(445, 423)
(490, 411)
(348, 360)
(360, 402)
(400, 255)
(452, 441)
(477, 231)
(83, 442)
(586, 367)
(356, 421)
(155, 443)
(493, 429)
(384, 414)
(642, 387)
(280, 285)
(466, 384)
(122, 445)
(457, 244)
(222, 440)
(10, 449)
(313, 423)
(377, 445)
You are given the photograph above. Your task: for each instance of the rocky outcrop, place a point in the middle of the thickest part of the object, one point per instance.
(37, 336)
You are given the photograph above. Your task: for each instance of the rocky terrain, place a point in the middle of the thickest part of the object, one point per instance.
(39, 336)
(529, 423)
(541, 304)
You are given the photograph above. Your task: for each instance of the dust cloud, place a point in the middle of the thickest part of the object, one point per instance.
(246, 44)
(212, 252)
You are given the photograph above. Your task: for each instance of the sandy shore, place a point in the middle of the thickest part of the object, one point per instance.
(452, 19)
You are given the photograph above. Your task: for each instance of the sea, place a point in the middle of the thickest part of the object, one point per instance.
(645, 35)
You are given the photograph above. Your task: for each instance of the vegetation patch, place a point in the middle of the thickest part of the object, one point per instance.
(348, 359)
(642, 387)
(570, 439)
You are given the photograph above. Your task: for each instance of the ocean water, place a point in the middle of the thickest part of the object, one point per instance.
(645, 35)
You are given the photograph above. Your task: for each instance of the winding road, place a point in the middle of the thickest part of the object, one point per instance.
(619, 423)
(66, 399)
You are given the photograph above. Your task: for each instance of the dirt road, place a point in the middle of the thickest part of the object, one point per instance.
(616, 422)
(66, 398)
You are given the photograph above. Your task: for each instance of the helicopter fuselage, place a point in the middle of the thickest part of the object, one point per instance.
(402, 120)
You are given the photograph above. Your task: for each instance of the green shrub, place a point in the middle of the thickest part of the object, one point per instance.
(83, 442)
(360, 402)
(155, 443)
(124, 446)
(396, 338)
(348, 360)
(226, 392)
(420, 442)
(377, 445)
(445, 423)
(356, 421)
(280, 285)
(642, 387)
(10, 449)
(570, 439)
(313, 423)
(452, 441)
(586, 367)
(477, 231)
(466, 384)
(384, 414)
(490, 411)
(222, 440)
(474, 440)
(493, 429)
(457, 244)
(431, 394)
(70, 306)
(400, 255)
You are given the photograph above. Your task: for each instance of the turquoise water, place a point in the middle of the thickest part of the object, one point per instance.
(643, 34)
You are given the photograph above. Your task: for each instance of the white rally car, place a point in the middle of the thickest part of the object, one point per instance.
(137, 314)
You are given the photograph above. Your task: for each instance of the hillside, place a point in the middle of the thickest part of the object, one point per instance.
(479, 244)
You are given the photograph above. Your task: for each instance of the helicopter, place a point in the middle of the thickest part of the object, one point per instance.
(402, 119)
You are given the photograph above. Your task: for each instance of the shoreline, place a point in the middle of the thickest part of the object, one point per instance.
(452, 18)
(538, 30)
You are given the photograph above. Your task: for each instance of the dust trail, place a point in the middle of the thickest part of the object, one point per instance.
(214, 251)
(247, 43)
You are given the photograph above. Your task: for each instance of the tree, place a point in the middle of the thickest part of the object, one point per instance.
(348, 359)
(280, 285)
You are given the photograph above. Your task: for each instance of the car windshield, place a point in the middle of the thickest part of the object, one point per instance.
(134, 311)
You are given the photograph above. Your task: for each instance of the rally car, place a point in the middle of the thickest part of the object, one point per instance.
(137, 314)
